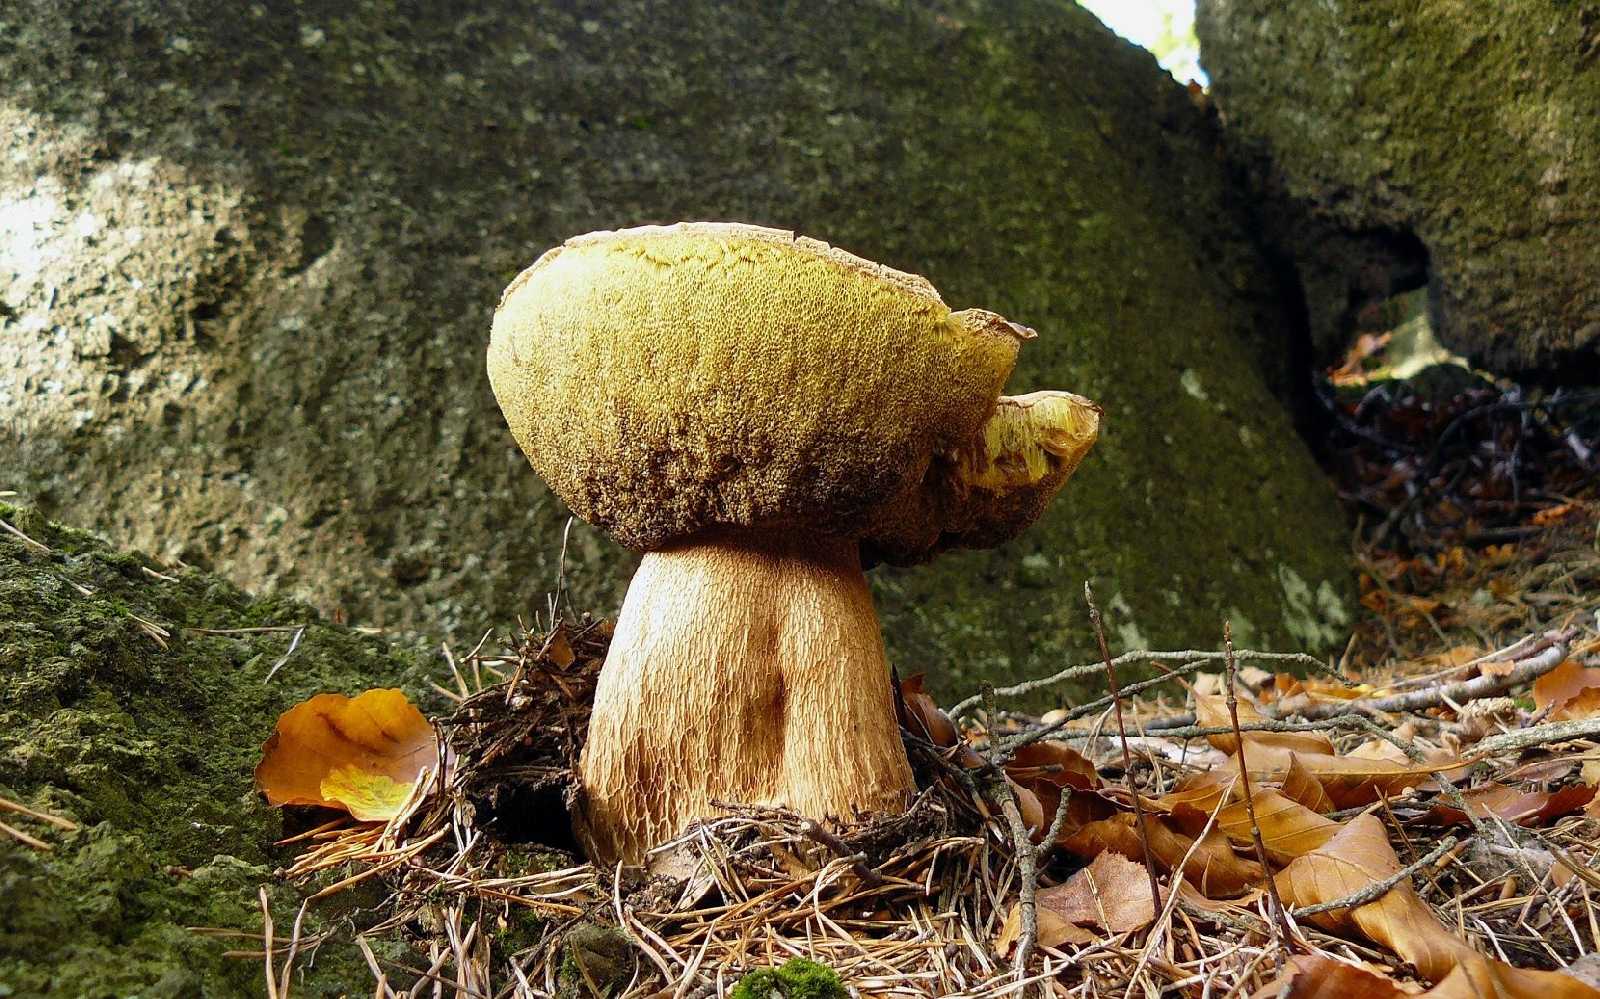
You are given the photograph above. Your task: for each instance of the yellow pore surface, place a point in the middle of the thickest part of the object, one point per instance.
(666, 380)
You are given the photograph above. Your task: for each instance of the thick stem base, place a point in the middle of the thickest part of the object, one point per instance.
(740, 672)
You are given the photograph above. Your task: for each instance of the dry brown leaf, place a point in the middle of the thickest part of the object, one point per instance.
(558, 648)
(1559, 689)
(1288, 828)
(362, 754)
(1111, 895)
(1317, 976)
(1052, 762)
(1302, 787)
(1353, 781)
(1528, 807)
(1585, 705)
(1360, 856)
(1349, 781)
(1555, 514)
(1212, 867)
(1211, 711)
(924, 716)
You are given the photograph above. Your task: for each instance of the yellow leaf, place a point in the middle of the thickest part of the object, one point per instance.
(362, 754)
(369, 797)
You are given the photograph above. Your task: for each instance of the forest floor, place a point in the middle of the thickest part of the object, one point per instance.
(1417, 814)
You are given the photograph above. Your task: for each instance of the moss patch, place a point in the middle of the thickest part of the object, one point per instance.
(151, 752)
(798, 978)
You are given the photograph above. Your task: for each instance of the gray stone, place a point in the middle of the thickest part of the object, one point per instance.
(1475, 127)
(251, 262)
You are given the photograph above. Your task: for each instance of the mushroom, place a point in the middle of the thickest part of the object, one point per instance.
(759, 413)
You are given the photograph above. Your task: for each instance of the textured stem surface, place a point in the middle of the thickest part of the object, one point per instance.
(741, 671)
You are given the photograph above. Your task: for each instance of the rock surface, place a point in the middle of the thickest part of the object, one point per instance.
(148, 743)
(1475, 127)
(250, 265)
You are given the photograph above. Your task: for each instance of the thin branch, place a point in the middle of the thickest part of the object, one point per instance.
(1528, 670)
(1539, 735)
(294, 643)
(1049, 841)
(1027, 866)
(1378, 889)
(1280, 920)
(1194, 657)
(1122, 731)
(266, 937)
(35, 545)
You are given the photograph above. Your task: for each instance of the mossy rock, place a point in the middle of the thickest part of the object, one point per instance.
(1470, 127)
(150, 751)
(258, 256)
(798, 978)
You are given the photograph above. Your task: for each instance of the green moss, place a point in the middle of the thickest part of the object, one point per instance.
(150, 750)
(798, 978)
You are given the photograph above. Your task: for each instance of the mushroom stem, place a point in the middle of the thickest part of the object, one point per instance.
(744, 668)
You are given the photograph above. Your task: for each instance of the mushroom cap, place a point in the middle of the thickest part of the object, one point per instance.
(669, 380)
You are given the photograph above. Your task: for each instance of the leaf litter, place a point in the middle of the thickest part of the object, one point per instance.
(1424, 819)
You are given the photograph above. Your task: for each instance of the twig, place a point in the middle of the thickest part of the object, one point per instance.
(1122, 731)
(814, 830)
(1280, 920)
(1193, 657)
(1048, 843)
(1527, 671)
(294, 950)
(1539, 735)
(24, 838)
(1378, 889)
(35, 545)
(1027, 866)
(266, 937)
(7, 805)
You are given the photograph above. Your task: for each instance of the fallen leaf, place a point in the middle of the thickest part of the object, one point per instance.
(1317, 976)
(924, 716)
(1360, 856)
(1211, 711)
(558, 648)
(1302, 787)
(1349, 781)
(1288, 828)
(1210, 864)
(1111, 895)
(362, 754)
(1052, 762)
(1554, 514)
(1527, 807)
(1569, 682)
